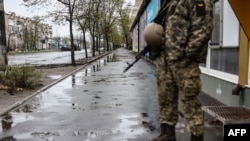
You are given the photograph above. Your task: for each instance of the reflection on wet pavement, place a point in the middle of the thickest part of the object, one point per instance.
(84, 104)
(7, 122)
(54, 76)
(128, 121)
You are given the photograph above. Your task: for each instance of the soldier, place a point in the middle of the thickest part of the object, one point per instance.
(188, 26)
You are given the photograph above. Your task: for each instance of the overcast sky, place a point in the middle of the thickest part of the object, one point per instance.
(20, 10)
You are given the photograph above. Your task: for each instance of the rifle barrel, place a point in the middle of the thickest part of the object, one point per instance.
(138, 57)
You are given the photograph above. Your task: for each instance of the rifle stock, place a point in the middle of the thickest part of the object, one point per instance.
(138, 57)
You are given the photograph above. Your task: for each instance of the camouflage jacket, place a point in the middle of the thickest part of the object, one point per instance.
(188, 28)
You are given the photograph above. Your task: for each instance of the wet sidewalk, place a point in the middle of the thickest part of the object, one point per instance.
(97, 103)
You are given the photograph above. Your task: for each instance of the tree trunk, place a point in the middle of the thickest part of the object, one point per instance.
(85, 45)
(107, 42)
(72, 47)
(3, 54)
(72, 42)
(93, 40)
(8, 44)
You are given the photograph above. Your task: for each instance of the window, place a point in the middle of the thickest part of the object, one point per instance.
(11, 22)
(225, 60)
(215, 41)
(223, 55)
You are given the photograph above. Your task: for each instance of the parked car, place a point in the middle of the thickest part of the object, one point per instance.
(77, 47)
(64, 48)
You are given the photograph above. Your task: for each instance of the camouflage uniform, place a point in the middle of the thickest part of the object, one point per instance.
(187, 29)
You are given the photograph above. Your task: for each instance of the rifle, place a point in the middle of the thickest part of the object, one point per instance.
(138, 57)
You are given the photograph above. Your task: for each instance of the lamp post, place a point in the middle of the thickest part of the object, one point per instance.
(3, 54)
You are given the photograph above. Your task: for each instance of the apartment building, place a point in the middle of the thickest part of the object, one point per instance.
(24, 33)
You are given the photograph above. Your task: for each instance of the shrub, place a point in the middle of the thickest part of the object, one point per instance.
(20, 76)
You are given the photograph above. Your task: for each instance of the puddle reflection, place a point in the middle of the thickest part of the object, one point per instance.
(129, 122)
(10, 138)
(110, 58)
(98, 65)
(10, 120)
(7, 122)
(73, 78)
(54, 76)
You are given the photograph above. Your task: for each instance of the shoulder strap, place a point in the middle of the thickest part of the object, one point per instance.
(161, 13)
(164, 6)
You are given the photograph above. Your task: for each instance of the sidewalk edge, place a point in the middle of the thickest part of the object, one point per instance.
(8, 109)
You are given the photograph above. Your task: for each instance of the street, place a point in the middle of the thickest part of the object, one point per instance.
(44, 58)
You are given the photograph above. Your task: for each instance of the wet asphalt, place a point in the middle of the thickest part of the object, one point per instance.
(46, 58)
(97, 103)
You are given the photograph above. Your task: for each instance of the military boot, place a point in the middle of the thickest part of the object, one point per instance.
(167, 133)
(196, 138)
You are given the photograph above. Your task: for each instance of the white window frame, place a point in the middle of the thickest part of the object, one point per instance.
(224, 35)
(219, 74)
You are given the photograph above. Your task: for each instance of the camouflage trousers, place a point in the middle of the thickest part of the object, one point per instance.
(180, 79)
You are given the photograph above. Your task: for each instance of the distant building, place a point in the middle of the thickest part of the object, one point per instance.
(146, 11)
(26, 33)
(133, 18)
(135, 10)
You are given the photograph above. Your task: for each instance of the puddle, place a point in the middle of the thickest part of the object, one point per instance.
(54, 76)
(9, 121)
(45, 134)
(98, 133)
(27, 136)
(130, 123)
(6, 122)
(97, 66)
(9, 138)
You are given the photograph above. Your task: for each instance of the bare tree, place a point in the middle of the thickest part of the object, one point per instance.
(35, 33)
(60, 15)
(70, 4)
(101, 17)
(11, 33)
(82, 22)
(92, 19)
(98, 17)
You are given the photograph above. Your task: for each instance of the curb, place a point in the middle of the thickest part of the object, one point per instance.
(6, 110)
